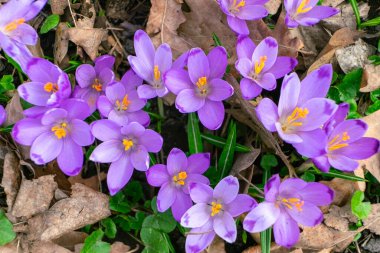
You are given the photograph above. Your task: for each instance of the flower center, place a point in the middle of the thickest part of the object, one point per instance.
(51, 87)
(60, 130)
(123, 105)
(291, 121)
(97, 85)
(301, 8)
(180, 178)
(157, 73)
(291, 203)
(14, 24)
(259, 65)
(127, 144)
(336, 142)
(215, 208)
(235, 6)
(202, 85)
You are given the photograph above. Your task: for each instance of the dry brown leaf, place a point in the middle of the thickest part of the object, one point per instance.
(11, 178)
(343, 190)
(119, 247)
(58, 6)
(360, 185)
(47, 247)
(14, 110)
(217, 246)
(70, 239)
(273, 249)
(272, 6)
(373, 219)
(61, 44)
(244, 161)
(53, 169)
(87, 19)
(9, 248)
(34, 196)
(371, 78)
(92, 182)
(88, 39)
(85, 206)
(339, 218)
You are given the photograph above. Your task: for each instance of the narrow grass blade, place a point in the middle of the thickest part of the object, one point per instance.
(194, 134)
(227, 157)
(221, 142)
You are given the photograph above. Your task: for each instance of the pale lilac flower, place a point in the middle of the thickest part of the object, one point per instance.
(260, 66)
(201, 89)
(214, 212)
(302, 107)
(125, 147)
(121, 102)
(15, 33)
(150, 65)
(238, 11)
(306, 12)
(93, 80)
(286, 205)
(49, 85)
(3, 115)
(60, 133)
(175, 178)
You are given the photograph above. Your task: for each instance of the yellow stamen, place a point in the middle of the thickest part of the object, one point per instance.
(97, 85)
(124, 103)
(298, 113)
(260, 64)
(293, 202)
(14, 24)
(235, 7)
(127, 144)
(202, 85)
(60, 130)
(180, 178)
(336, 142)
(51, 87)
(301, 8)
(215, 208)
(157, 73)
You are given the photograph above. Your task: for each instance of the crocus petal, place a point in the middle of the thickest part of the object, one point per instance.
(140, 158)
(104, 106)
(355, 129)
(146, 91)
(217, 59)
(245, 47)
(133, 129)
(25, 34)
(108, 151)
(194, 178)
(143, 69)
(252, 12)
(162, 91)
(290, 5)
(322, 163)
(241, 204)
(272, 188)
(267, 81)
(27, 130)
(316, 84)
(249, 89)
(143, 46)
(291, 186)
(198, 65)
(261, 217)
(198, 163)
(196, 216)
(119, 173)
(177, 80)
(163, 58)
(53, 116)
(219, 90)
(288, 137)
(50, 73)
(141, 117)
(70, 160)
(166, 197)
(313, 143)
(322, 12)
(85, 75)
(34, 93)
(342, 162)
(200, 193)
(289, 21)
(225, 227)
(306, 20)
(320, 110)
(310, 215)
(338, 117)
(81, 133)
(266, 48)
(45, 148)
(3, 115)
(211, 114)
(33, 9)
(244, 66)
(361, 149)
(181, 61)
(200, 238)
(181, 204)
(188, 101)
(267, 112)
(238, 25)
(317, 194)
(282, 66)
(286, 231)
(290, 91)
(177, 161)
(227, 189)
(115, 91)
(104, 62)
(152, 141)
(131, 80)
(76, 109)
(157, 175)
(19, 52)
(105, 130)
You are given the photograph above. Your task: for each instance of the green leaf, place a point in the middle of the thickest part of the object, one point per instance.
(336, 173)
(216, 40)
(350, 85)
(6, 230)
(110, 229)
(308, 176)
(221, 143)
(268, 161)
(194, 134)
(355, 8)
(6, 83)
(163, 222)
(227, 157)
(93, 243)
(118, 203)
(373, 108)
(334, 94)
(372, 22)
(359, 208)
(154, 241)
(50, 22)
(265, 240)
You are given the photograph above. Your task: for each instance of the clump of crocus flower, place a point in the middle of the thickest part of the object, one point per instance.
(302, 107)
(286, 205)
(175, 178)
(93, 80)
(260, 66)
(238, 11)
(214, 212)
(15, 33)
(3, 115)
(306, 12)
(201, 89)
(125, 147)
(150, 65)
(60, 133)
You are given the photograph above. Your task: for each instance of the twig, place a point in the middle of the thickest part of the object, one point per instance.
(71, 12)
(163, 21)
(135, 249)
(250, 183)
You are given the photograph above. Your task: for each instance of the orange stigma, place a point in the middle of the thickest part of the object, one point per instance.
(157, 73)
(127, 144)
(337, 142)
(179, 179)
(260, 64)
(215, 208)
(14, 24)
(291, 203)
(202, 85)
(60, 130)
(301, 8)
(235, 7)
(51, 87)
(97, 85)
(124, 103)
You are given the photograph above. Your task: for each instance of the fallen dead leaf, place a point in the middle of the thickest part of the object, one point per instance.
(217, 246)
(92, 182)
(119, 247)
(360, 185)
(70, 239)
(339, 218)
(343, 190)
(14, 110)
(58, 6)
(373, 219)
(47, 247)
(273, 6)
(34, 196)
(61, 44)
(244, 161)
(371, 78)
(11, 178)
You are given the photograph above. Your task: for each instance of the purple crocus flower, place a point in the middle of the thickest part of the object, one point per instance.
(93, 80)
(306, 12)
(15, 33)
(302, 107)
(214, 212)
(49, 85)
(125, 147)
(150, 65)
(238, 11)
(60, 133)
(3, 115)
(260, 66)
(201, 88)
(286, 205)
(121, 102)
(174, 179)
